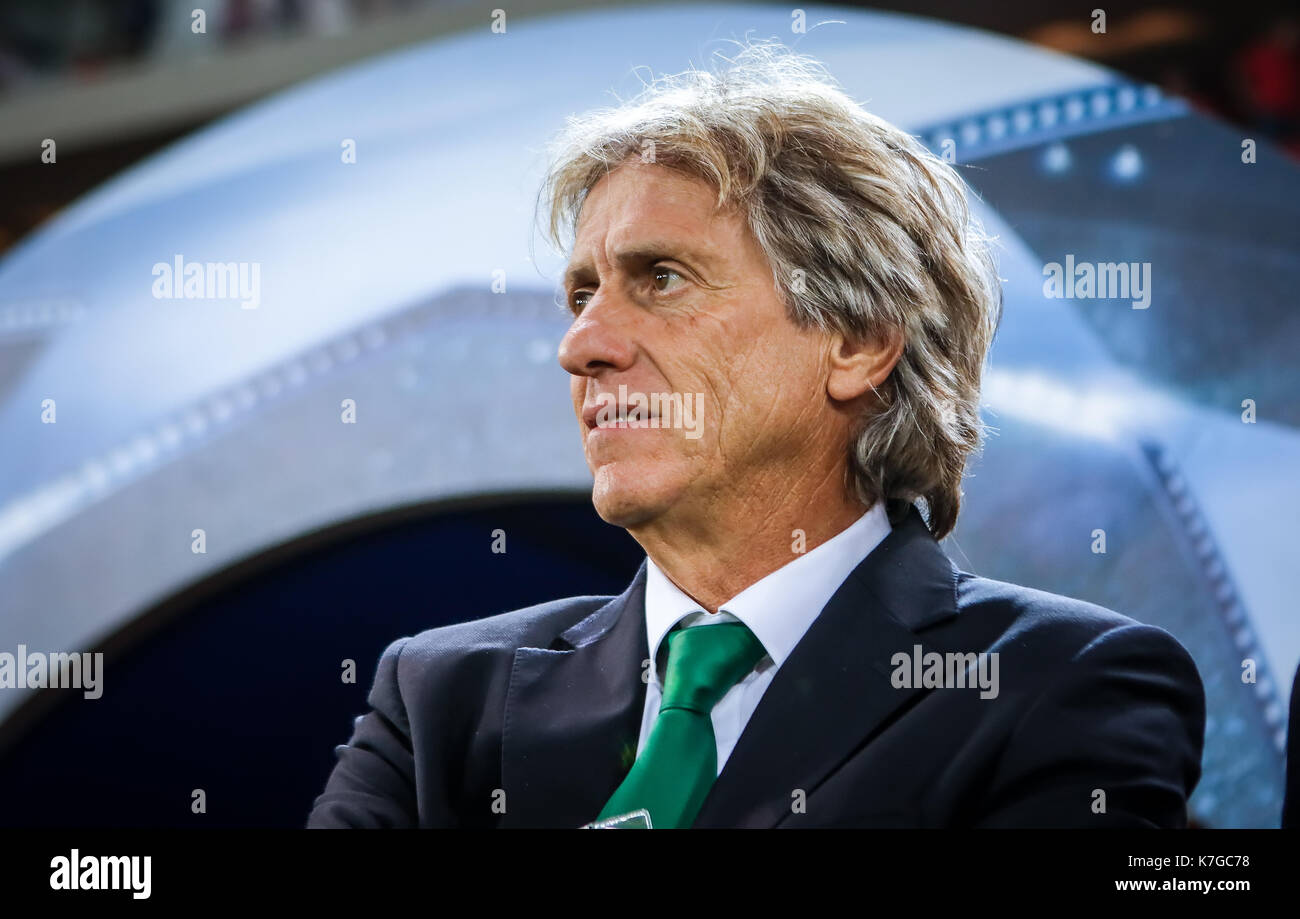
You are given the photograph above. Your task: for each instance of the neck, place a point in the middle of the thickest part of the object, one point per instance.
(726, 547)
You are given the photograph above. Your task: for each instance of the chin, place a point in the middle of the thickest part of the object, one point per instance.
(627, 501)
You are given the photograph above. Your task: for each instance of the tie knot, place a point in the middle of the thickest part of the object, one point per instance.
(704, 661)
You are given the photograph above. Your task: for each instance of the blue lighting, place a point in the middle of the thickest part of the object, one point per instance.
(1057, 159)
(1126, 166)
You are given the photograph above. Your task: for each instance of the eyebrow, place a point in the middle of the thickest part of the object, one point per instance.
(640, 252)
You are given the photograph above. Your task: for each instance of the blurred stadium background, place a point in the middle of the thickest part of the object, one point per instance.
(325, 541)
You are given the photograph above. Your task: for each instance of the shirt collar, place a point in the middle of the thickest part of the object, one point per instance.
(778, 608)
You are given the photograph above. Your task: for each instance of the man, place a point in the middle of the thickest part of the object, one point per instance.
(797, 649)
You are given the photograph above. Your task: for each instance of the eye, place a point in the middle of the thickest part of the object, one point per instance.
(663, 274)
(578, 299)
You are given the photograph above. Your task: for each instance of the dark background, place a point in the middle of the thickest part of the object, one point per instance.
(239, 656)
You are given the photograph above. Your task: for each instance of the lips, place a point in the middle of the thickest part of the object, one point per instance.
(591, 411)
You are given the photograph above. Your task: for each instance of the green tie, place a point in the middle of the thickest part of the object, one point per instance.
(679, 763)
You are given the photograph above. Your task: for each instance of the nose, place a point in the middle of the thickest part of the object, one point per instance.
(598, 338)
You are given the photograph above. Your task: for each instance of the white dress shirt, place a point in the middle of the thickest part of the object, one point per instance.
(778, 609)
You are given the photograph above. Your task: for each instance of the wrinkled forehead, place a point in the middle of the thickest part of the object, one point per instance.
(656, 191)
(644, 210)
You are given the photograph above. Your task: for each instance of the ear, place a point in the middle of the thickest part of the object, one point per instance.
(859, 366)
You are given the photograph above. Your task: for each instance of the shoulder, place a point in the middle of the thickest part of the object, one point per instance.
(1087, 701)
(1057, 628)
(1029, 607)
(493, 637)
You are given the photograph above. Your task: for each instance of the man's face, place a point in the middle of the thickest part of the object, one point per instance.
(672, 297)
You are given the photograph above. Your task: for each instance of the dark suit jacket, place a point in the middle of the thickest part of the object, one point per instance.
(1291, 798)
(531, 718)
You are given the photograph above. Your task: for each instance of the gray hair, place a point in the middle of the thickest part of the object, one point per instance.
(865, 229)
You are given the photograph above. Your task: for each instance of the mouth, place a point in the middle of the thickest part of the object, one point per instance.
(592, 419)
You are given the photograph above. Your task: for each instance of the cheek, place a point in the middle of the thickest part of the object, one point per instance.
(749, 372)
(770, 386)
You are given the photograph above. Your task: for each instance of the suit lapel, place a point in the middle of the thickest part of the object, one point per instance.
(834, 692)
(573, 716)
